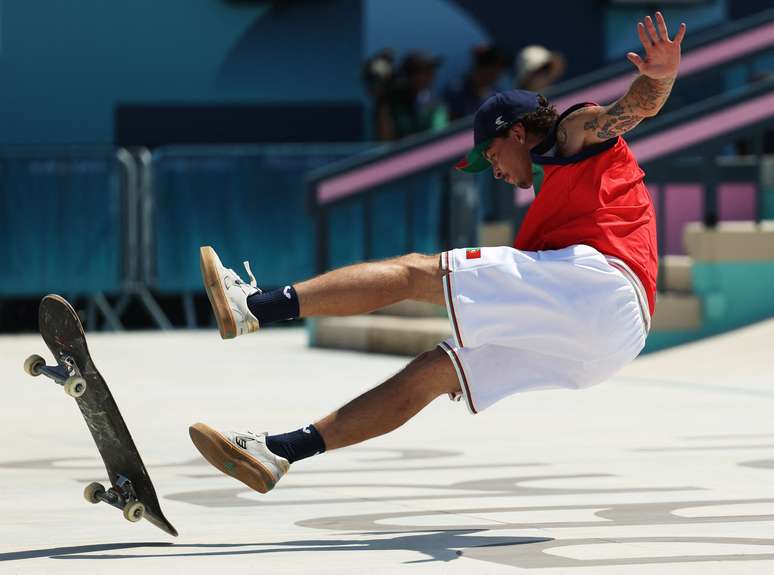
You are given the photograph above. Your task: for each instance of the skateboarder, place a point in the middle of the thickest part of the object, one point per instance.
(567, 306)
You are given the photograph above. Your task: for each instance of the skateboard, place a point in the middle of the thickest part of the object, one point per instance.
(131, 489)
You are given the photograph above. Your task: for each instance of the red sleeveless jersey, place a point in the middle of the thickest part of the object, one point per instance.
(596, 198)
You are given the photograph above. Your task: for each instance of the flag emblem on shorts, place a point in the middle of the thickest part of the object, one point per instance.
(473, 253)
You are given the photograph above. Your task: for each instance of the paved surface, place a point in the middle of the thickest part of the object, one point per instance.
(668, 468)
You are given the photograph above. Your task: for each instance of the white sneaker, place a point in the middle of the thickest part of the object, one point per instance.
(243, 456)
(228, 295)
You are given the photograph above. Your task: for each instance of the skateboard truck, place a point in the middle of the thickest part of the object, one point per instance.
(74, 385)
(122, 497)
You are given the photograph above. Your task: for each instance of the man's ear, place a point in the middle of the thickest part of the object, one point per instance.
(518, 133)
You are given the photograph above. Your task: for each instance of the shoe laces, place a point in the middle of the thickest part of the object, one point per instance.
(250, 274)
(239, 281)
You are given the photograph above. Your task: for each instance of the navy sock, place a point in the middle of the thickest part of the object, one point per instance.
(298, 444)
(275, 305)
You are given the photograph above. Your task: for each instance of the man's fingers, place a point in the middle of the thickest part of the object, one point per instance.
(651, 29)
(662, 27)
(634, 59)
(644, 36)
(680, 33)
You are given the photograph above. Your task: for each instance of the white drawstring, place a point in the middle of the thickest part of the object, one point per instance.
(250, 274)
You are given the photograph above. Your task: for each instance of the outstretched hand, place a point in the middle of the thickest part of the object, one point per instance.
(662, 55)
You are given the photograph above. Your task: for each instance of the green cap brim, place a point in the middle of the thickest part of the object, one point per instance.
(475, 160)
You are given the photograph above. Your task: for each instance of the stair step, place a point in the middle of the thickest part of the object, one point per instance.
(677, 274)
(380, 333)
(401, 335)
(676, 311)
(731, 241)
(410, 308)
(492, 234)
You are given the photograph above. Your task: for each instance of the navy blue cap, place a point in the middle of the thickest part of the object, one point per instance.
(496, 115)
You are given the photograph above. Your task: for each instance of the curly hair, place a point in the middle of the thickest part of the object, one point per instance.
(540, 121)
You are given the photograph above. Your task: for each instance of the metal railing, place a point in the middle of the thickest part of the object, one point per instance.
(703, 129)
(705, 55)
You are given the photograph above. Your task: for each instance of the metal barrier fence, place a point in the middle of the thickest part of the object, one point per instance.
(62, 220)
(69, 223)
(116, 225)
(246, 201)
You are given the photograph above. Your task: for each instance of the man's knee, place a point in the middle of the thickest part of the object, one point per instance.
(440, 375)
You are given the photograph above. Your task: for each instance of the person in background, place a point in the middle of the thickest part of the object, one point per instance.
(465, 96)
(378, 77)
(537, 68)
(412, 105)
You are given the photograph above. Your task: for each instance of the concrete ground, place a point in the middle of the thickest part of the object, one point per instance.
(667, 468)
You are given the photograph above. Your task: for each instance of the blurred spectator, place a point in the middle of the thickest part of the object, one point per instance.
(378, 76)
(537, 68)
(406, 104)
(378, 71)
(464, 97)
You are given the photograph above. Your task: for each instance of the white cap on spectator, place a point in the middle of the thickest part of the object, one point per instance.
(532, 58)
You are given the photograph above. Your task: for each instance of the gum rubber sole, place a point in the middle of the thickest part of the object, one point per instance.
(227, 458)
(215, 292)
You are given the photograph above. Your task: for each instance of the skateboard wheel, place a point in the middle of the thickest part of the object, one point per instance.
(33, 364)
(134, 511)
(75, 386)
(92, 492)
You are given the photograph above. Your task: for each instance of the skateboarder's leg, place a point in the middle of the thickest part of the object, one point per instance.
(391, 404)
(242, 308)
(364, 287)
(260, 461)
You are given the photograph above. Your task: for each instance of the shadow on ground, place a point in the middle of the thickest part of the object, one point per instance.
(438, 546)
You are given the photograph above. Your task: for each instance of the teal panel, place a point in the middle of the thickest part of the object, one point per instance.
(346, 234)
(404, 217)
(658, 340)
(389, 225)
(426, 198)
(734, 293)
(248, 203)
(60, 224)
(767, 203)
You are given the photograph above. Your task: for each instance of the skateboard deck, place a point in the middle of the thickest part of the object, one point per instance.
(131, 488)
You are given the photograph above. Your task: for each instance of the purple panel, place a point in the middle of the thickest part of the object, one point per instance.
(653, 191)
(684, 204)
(736, 201)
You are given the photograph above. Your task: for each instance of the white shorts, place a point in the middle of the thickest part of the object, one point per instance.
(523, 321)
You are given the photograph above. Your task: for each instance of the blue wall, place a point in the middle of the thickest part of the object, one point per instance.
(65, 65)
(620, 21)
(440, 27)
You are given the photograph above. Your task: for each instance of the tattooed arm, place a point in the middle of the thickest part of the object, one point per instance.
(644, 98)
